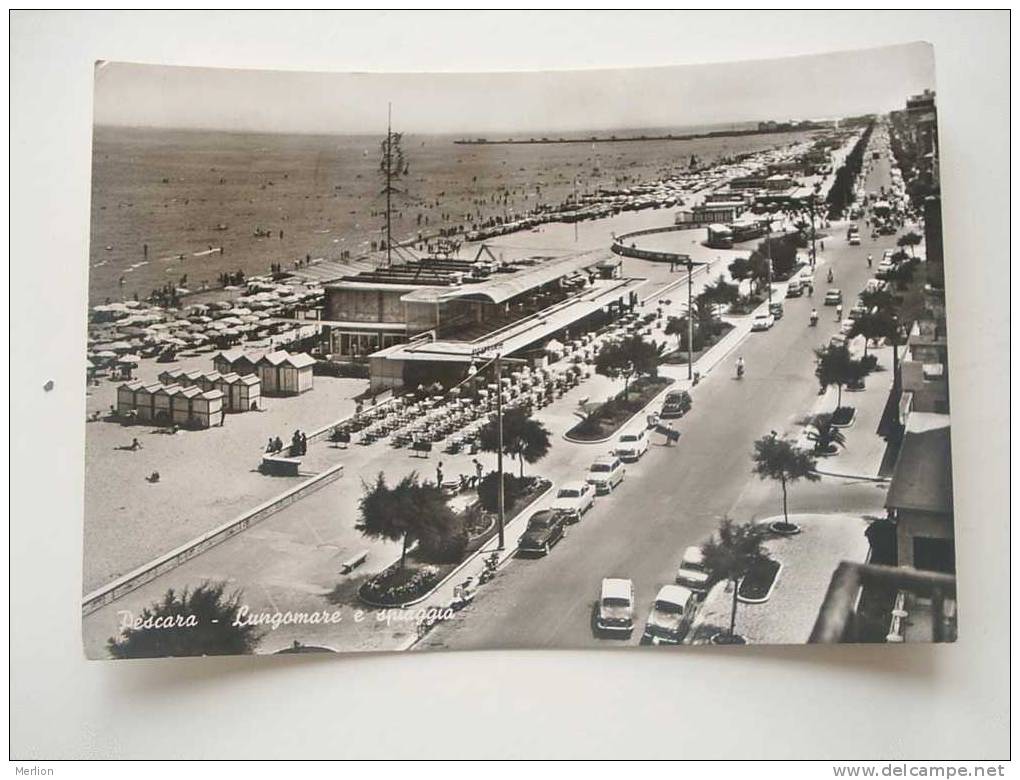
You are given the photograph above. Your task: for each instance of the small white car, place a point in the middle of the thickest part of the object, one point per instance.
(605, 474)
(573, 499)
(762, 321)
(632, 445)
(672, 610)
(692, 574)
(616, 606)
(846, 326)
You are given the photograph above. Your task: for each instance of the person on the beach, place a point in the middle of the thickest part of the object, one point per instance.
(135, 444)
(304, 444)
(271, 445)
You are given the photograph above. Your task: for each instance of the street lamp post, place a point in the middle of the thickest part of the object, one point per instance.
(499, 450)
(768, 257)
(690, 319)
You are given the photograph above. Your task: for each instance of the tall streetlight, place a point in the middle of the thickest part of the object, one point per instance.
(473, 370)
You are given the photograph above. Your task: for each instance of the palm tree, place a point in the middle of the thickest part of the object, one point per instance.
(524, 438)
(909, 240)
(729, 555)
(188, 623)
(825, 436)
(778, 459)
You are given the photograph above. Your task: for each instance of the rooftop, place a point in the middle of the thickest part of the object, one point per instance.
(922, 479)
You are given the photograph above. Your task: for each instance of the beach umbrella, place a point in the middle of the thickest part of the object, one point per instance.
(105, 354)
(130, 360)
(119, 346)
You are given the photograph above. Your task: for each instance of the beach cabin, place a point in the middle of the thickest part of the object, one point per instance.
(207, 409)
(190, 378)
(172, 376)
(208, 381)
(162, 403)
(126, 397)
(249, 390)
(145, 404)
(180, 405)
(226, 384)
(233, 361)
(285, 374)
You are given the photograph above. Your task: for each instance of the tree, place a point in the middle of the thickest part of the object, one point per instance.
(188, 623)
(740, 269)
(730, 554)
(411, 511)
(524, 438)
(902, 275)
(779, 459)
(836, 368)
(909, 240)
(627, 357)
(825, 436)
(871, 326)
(877, 299)
(488, 490)
(677, 326)
(719, 293)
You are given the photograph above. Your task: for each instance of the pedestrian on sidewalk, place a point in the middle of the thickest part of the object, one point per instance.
(478, 470)
(439, 474)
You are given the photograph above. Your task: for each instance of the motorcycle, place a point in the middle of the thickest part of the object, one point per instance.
(463, 595)
(489, 572)
(829, 277)
(814, 320)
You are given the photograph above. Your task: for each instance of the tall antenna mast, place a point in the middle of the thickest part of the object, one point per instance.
(389, 177)
(393, 168)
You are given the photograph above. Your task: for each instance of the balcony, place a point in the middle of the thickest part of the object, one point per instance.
(924, 609)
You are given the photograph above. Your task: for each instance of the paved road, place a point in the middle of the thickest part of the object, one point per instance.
(676, 496)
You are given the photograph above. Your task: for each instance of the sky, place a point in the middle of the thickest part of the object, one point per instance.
(476, 104)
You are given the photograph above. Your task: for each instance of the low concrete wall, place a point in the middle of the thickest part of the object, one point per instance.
(171, 560)
(620, 247)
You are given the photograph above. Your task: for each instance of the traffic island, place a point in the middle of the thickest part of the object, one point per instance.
(423, 573)
(679, 355)
(602, 422)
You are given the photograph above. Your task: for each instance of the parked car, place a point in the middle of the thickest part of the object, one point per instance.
(776, 310)
(838, 340)
(677, 404)
(795, 288)
(762, 321)
(632, 445)
(616, 606)
(545, 529)
(573, 499)
(670, 617)
(854, 240)
(846, 326)
(833, 297)
(692, 574)
(884, 269)
(858, 311)
(605, 474)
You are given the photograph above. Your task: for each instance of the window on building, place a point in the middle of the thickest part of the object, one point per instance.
(934, 554)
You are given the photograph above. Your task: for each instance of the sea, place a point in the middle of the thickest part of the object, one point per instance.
(181, 207)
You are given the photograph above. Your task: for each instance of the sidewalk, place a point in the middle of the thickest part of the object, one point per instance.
(808, 560)
(862, 456)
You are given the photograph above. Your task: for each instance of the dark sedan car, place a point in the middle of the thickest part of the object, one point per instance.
(545, 528)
